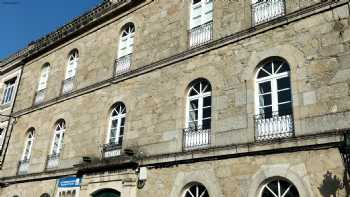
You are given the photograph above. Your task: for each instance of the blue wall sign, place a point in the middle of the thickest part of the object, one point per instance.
(69, 182)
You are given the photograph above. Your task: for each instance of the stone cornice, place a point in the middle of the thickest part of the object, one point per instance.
(233, 38)
(67, 31)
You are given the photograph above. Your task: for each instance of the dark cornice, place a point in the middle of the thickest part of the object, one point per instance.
(233, 38)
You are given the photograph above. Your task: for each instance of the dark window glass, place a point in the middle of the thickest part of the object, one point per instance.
(207, 101)
(284, 96)
(207, 112)
(265, 87)
(283, 83)
(285, 109)
(265, 100)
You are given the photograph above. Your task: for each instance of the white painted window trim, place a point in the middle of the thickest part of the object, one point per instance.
(6, 96)
(204, 6)
(200, 97)
(28, 145)
(118, 117)
(279, 194)
(198, 193)
(16, 74)
(60, 191)
(44, 76)
(126, 42)
(72, 64)
(59, 129)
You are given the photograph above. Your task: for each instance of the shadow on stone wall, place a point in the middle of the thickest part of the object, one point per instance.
(331, 185)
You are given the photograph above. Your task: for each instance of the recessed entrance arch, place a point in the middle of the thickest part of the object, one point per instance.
(106, 193)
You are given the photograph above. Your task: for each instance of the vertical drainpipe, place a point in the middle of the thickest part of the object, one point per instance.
(10, 118)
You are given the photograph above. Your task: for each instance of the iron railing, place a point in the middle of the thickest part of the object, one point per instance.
(23, 166)
(195, 138)
(111, 150)
(68, 85)
(122, 64)
(274, 126)
(201, 34)
(53, 160)
(267, 10)
(39, 96)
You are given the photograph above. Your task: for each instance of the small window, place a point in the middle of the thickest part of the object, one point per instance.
(28, 145)
(201, 12)
(126, 42)
(44, 76)
(58, 137)
(196, 190)
(9, 91)
(279, 188)
(72, 64)
(117, 124)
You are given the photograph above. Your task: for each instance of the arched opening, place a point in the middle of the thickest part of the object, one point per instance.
(125, 50)
(106, 193)
(195, 190)
(278, 187)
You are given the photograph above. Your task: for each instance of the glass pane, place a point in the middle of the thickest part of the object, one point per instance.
(284, 96)
(273, 186)
(264, 87)
(266, 111)
(192, 124)
(196, 1)
(193, 104)
(193, 92)
(265, 100)
(206, 124)
(114, 123)
(193, 115)
(121, 131)
(123, 122)
(207, 101)
(207, 112)
(285, 109)
(283, 83)
(113, 133)
(283, 68)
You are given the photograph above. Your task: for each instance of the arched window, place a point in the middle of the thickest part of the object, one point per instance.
(273, 99)
(116, 124)
(279, 188)
(72, 64)
(125, 50)
(28, 145)
(198, 115)
(106, 192)
(196, 190)
(44, 76)
(199, 105)
(58, 137)
(201, 22)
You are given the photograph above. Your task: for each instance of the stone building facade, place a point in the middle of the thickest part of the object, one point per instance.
(140, 98)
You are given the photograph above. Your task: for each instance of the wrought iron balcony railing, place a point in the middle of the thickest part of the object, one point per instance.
(266, 10)
(111, 150)
(195, 138)
(201, 34)
(53, 160)
(39, 96)
(273, 127)
(68, 85)
(122, 64)
(23, 166)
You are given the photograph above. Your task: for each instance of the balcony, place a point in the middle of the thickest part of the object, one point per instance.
(68, 85)
(273, 127)
(39, 96)
(52, 161)
(201, 34)
(122, 64)
(195, 138)
(267, 10)
(23, 166)
(111, 150)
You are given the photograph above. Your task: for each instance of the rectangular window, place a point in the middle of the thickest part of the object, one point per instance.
(8, 91)
(2, 137)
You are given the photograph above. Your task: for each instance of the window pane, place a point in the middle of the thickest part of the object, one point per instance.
(207, 112)
(206, 124)
(196, 1)
(264, 87)
(284, 96)
(207, 101)
(193, 115)
(265, 100)
(266, 111)
(114, 123)
(283, 68)
(123, 122)
(283, 83)
(193, 104)
(285, 109)
(192, 124)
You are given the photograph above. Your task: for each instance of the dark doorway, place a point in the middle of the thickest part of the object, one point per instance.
(106, 193)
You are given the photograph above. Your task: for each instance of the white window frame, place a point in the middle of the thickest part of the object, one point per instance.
(72, 64)
(28, 145)
(118, 117)
(279, 193)
(274, 90)
(6, 96)
(126, 42)
(200, 97)
(63, 192)
(206, 7)
(59, 129)
(198, 192)
(44, 76)
(2, 136)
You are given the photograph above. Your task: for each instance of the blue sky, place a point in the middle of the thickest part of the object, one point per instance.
(23, 21)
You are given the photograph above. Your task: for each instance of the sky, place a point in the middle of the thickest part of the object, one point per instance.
(23, 21)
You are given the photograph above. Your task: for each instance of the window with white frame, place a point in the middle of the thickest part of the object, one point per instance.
(28, 145)
(2, 137)
(44, 76)
(72, 64)
(199, 105)
(196, 190)
(201, 12)
(9, 90)
(57, 141)
(279, 188)
(126, 42)
(116, 124)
